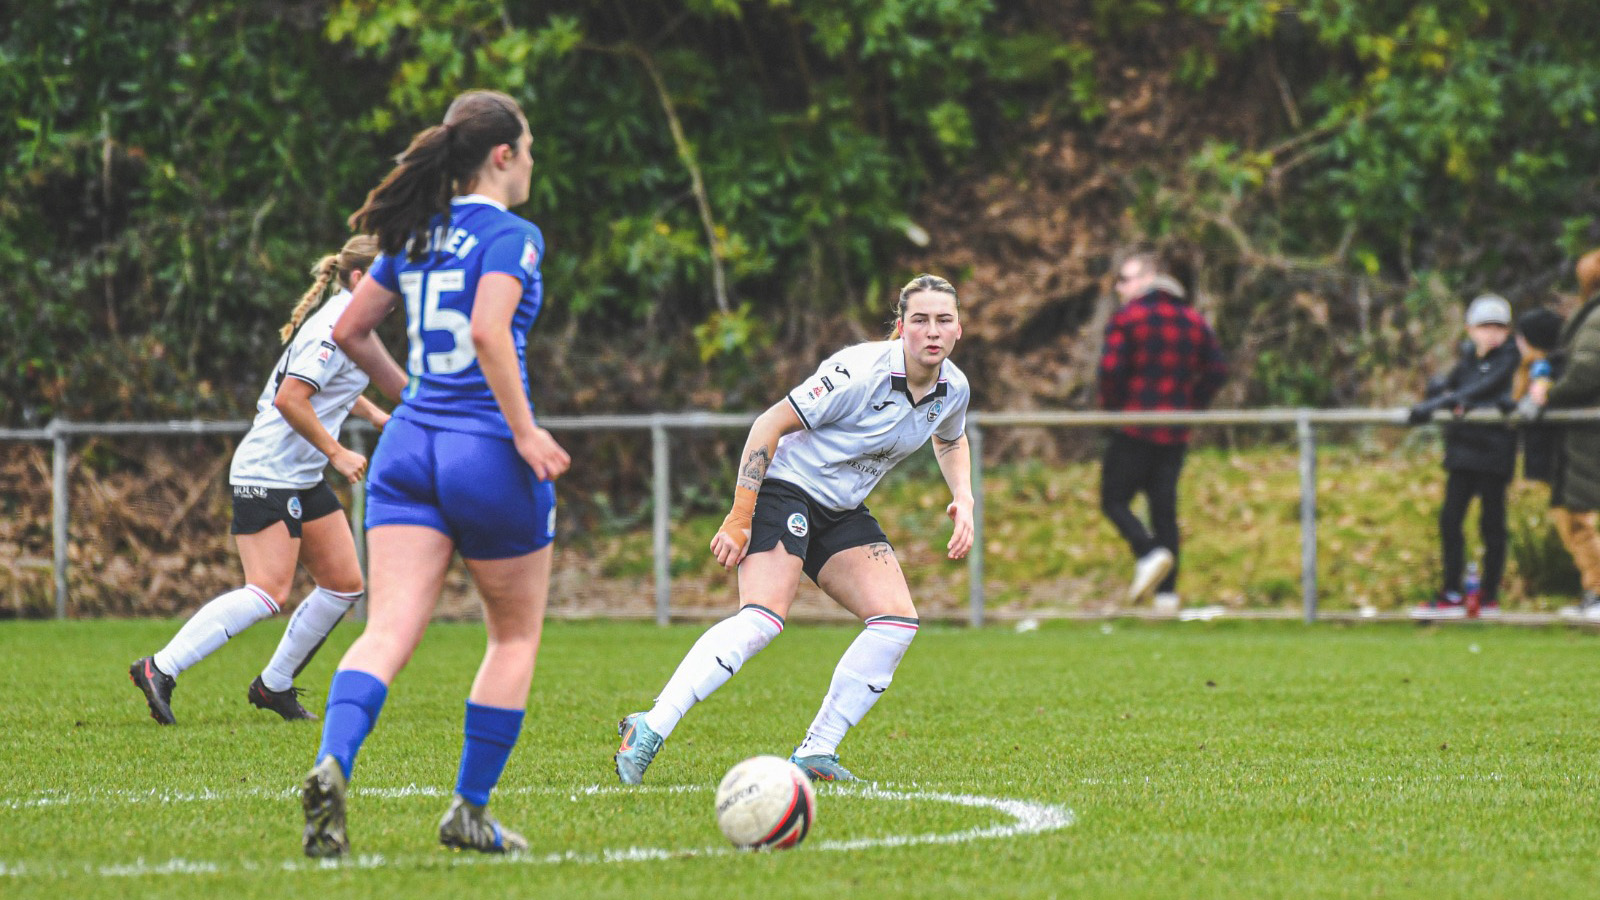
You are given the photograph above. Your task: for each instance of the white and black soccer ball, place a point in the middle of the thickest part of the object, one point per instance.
(765, 802)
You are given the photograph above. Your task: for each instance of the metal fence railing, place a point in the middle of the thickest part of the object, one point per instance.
(61, 433)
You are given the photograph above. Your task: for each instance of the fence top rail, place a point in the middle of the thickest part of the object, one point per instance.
(704, 419)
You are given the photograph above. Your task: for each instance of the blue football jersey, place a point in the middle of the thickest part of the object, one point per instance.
(447, 388)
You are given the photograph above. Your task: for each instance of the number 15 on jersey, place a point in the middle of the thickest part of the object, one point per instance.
(423, 292)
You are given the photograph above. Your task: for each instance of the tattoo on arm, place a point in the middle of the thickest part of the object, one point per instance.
(880, 552)
(754, 469)
(946, 448)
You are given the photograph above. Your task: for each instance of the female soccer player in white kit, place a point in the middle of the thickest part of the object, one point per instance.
(810, 461)
(283, 510)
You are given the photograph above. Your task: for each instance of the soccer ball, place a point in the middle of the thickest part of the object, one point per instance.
(765, 802)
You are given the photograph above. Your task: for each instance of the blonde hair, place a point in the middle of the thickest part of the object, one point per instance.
(917, 285)
(356, 255)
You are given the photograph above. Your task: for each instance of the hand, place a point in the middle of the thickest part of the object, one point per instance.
(1539, 391)
(732, 540)
(542, 454)
(1420, 414)
(350, 464)
(1528, 410)
(960, 512)
(380, 420)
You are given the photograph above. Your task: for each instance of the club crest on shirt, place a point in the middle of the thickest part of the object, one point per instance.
(294, 507)
(530, 256)
(798, 525)
(933, 411)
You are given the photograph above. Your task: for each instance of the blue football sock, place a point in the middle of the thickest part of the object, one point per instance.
(491, 732)
(354, 700)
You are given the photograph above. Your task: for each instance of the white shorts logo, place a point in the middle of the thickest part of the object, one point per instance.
(550, 527)
(294, 507)
(798, 526)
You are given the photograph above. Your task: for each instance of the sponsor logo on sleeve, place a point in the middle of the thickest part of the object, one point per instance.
(530, 256)
(325, 352)
(817, 391)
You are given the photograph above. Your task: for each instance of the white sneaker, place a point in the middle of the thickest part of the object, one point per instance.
(1166, 603)
(1148, 572)
(1201, 613)
(1588, 610)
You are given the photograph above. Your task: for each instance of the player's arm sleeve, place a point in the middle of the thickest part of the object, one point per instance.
(315, 359)
(953, 424)
(383, 272)
(515, 253)
(838, 387)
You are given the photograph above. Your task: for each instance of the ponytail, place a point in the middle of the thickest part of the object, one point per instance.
(356, 255)
(438, 160)
(417, 189)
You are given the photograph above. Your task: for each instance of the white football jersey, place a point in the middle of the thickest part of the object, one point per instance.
(273, 454)
(860, 421)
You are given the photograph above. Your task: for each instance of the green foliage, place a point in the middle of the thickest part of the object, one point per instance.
(171, 171)
(731, 336)
(176, 170)
(1439, 135)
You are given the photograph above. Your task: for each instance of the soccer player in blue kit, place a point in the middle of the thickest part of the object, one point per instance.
(462, 465)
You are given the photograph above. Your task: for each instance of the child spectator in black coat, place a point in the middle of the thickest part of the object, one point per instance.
(1479, 458)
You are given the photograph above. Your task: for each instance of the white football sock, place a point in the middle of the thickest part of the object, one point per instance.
(863, 673)
(212, 625)
(308, 627)
(713, 659)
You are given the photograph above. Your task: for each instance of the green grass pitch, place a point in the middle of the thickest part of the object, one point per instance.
(1229, 759)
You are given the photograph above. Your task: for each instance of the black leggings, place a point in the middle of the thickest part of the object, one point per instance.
(1132, 466)
(1459, 489)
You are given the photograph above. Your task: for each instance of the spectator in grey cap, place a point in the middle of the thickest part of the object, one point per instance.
(1479, 458)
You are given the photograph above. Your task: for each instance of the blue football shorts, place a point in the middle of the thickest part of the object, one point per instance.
(473, 487)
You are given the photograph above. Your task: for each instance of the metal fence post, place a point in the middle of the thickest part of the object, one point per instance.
(975, 555)
(661, 485)
(358, 520)
(1308, 515)
(60, 501)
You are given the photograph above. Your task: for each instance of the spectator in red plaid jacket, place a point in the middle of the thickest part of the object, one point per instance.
(1159, 355)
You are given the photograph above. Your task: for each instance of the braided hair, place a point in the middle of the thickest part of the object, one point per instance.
(356, 255)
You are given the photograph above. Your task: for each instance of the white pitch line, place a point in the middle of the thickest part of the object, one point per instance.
(1028, 818)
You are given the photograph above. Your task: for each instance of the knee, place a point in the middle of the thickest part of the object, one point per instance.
(345, 586)
(277, 590)
(383, 650)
